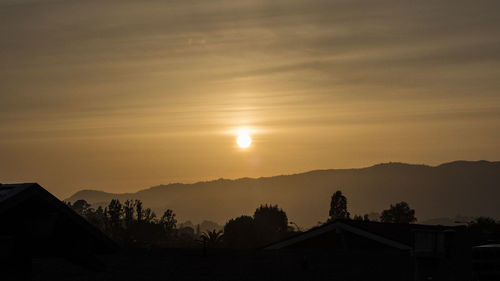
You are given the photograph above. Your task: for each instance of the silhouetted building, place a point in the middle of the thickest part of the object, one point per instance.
(385, 251)
(486, 262)
(35, 224)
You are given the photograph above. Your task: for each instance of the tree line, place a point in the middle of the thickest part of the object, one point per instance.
(129, 223)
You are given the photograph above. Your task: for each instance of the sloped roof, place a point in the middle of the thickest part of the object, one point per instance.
(11, 195)
(396, 235)
(400, 232)
(488, 246)
(9, 190)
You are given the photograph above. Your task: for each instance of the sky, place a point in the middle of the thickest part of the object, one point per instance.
(121, 95)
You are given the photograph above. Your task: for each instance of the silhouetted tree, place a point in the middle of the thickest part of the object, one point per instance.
(169, 222)
(485, 230)
(139, 211)
(338, 206)
(80, 206)
(240, 233)
(186, 238)
(271, 223)
(187, 224)
(149, 215)
(212, 238)
(186, 230)
(115, 212)
(128, 213)
(483, 222)
(372, 216)
(97, 218)
(198, 230)
(364, 217)
(399, 213)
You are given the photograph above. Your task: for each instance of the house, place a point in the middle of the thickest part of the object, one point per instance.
(385, 251)
(486, 262)
(35, 224)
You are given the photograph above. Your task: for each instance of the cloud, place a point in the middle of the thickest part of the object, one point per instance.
(128, 68)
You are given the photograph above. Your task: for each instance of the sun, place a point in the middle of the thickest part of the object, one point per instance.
(244, 140)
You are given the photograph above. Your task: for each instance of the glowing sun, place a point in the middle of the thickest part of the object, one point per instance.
(244, 140)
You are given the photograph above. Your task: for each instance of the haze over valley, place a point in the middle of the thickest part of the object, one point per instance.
(458, 188)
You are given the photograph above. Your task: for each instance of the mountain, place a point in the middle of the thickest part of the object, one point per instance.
(451, 189)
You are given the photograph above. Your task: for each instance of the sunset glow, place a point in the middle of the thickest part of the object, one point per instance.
(117, 95)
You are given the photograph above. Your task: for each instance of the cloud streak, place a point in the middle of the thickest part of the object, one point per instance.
(293, 69)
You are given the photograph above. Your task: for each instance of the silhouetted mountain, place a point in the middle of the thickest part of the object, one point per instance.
(456, 188)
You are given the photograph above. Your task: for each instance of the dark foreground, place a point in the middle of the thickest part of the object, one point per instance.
(192, 264)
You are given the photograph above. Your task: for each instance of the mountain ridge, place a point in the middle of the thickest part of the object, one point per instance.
(393, 180)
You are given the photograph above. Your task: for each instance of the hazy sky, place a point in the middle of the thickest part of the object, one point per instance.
(124, 94)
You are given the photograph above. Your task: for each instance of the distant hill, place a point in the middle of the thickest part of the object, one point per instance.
(451, 189)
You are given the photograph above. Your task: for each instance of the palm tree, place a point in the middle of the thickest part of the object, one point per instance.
(212, 238)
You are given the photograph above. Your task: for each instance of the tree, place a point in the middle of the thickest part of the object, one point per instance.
(484, 230)
(372, 216)
(240, 233)
(399, 213)
(212, 238)
(115, 212)
(169, 222)
(198, 230)
(271, 223)
(139, 211)
(128, 212)
(338, 206)
(365, 217)
(80, 206)
(149, 216)
(96, 218)
(485, 225)
(186, 231)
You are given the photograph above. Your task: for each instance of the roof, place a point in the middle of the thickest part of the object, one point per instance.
(489, 246)
(9, 190)
(11, 195)
(395, 235)
(400, 232)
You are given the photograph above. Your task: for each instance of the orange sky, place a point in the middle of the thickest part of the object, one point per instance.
(120, 95)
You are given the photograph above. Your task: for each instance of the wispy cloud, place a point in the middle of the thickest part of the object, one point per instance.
(122, 69)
